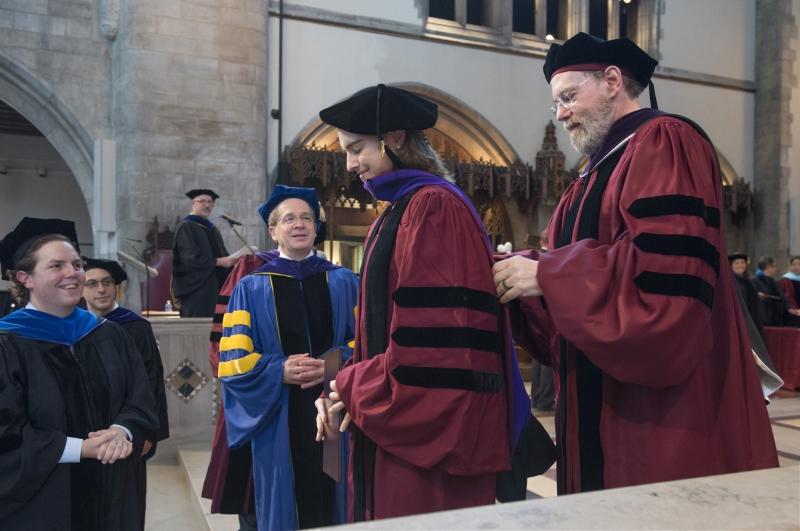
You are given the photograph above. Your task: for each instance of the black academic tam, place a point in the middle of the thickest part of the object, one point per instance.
(585, 52)
(380, 109)
(111, 266)
(25, 234)
(191, 194)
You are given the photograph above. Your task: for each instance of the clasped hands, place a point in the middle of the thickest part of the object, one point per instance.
(516, 277)
(303, 370)
(330, 405)
(107, 446)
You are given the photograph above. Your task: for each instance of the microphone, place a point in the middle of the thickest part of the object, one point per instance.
(232, 221)
(133, 240)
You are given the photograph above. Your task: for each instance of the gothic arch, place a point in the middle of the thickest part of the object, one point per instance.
(728, 173)
(26, 93)
(460, 123)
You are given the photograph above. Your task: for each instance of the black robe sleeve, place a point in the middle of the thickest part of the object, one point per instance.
(28, 455)
(138, 411)
(142, 334)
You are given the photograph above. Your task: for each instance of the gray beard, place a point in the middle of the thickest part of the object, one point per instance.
(587, 139)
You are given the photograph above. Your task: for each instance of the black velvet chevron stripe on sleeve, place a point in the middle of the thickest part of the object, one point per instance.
(447, 337)
(446, 297)
(679, 245)
(449, 378)
(676, 285)
(680, 205)
(215, 337)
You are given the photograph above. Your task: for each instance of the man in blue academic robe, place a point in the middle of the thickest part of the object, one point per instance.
(280, 319)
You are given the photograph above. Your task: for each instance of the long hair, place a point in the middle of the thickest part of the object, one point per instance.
(418, 153)
(27, 264)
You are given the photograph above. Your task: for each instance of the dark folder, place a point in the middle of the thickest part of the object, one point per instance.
(332, 443)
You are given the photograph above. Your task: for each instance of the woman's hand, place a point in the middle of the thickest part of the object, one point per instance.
(322, 405)
(338, 406)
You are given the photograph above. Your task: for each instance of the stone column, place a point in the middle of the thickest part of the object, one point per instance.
(577, 17)
(189, 93)
(775, 65)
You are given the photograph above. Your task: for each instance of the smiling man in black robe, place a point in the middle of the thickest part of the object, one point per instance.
(74, 401)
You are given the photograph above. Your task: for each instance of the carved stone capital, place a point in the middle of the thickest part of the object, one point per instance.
(108, 19)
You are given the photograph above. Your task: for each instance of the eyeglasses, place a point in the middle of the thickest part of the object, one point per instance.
(106, 282)
(567, 98)
(204, 201)
(290, 220)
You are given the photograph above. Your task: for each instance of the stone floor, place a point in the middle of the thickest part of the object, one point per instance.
(175, 475)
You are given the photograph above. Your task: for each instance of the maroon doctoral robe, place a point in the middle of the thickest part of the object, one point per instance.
(791, 290)
(428, 405)
(656, 377)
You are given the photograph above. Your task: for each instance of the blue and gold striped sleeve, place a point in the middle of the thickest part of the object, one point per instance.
(236, 349)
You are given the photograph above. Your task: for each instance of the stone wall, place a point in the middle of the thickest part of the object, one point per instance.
(179, 85)
(775, 76)
(189, 82)
(55, 70)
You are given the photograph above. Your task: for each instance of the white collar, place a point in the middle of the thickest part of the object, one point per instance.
(116, 305)
(310, 253)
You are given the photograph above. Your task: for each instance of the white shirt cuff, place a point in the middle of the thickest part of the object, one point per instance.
(123, 428)
(72, 451)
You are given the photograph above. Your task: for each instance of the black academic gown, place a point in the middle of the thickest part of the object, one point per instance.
(6, 303)
(49, 392)
(195, 277)
(141, 332)
(752, 303)
(775, 305)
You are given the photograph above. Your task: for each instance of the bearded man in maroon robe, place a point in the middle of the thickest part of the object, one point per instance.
(655, 369)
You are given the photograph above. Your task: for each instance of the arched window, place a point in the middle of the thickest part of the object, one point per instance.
(524, 24)
(524, 17)
(629, 20)
(445, 9)
(474, 12)
(482, 161)
(598, 18)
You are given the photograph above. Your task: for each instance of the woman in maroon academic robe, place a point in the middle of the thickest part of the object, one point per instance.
(656, 372)
(428, 391)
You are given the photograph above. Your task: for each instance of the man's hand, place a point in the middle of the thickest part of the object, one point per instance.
(795, 311)
(312, 372)
(516, 277)
(338, 406)
(226, 261)
(115, 445)
(303, 370)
